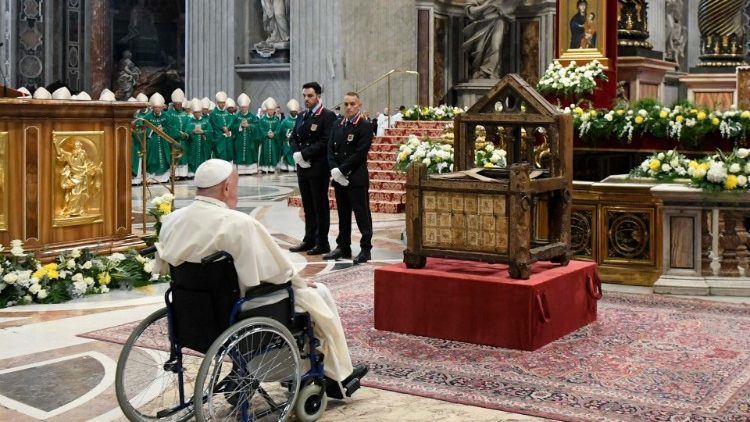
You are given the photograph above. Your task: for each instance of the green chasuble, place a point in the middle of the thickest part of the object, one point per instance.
(135, 160)
(158, 150)
(285, 131)
(246, 138)
(269, 150)
(179, 134)
(223, 145)
(200, 144)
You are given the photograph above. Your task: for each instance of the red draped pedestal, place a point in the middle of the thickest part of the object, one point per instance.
(479, 303)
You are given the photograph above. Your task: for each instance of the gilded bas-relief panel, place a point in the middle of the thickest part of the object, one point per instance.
(77, 175)
(4, 186)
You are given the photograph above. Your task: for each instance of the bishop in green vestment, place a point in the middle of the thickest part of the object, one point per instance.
(246, 131)
(269, 125)
(222, 121)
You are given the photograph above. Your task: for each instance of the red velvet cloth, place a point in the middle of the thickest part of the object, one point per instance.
(479, 303)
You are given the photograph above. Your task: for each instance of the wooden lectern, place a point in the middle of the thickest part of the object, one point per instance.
(6, 92)
(65, 174)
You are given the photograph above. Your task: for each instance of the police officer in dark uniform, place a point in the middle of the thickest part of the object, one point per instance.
(309, 142)
(347, 156)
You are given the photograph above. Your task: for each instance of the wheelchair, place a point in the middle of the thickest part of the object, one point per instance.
(204, 356)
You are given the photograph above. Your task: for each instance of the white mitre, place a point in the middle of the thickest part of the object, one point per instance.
(83, 96)
(156, 100)
(141, 97)
(212, 172)
(269, 104)
(293, 105)
(107, 95)
(243, 100)
(196, 105)
(221, 97)
(178, 96)
(230, 103)
(61, 93)
(25, 92)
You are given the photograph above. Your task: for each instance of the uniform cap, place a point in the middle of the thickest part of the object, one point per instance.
(212, 172)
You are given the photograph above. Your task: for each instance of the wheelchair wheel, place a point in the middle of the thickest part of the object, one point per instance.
(311, 402)
(251, 372)
(146, 381)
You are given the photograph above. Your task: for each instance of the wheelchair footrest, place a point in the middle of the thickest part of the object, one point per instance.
(334, 388)
(351, 386)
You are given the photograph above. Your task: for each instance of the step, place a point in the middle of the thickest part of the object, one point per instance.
(378, 195)
(419, 132)
(384, 147)
(382, 156)
(427, 124)
(378, 206)
(387, 175)
(392, 140)
(381, 165)
(392, 185)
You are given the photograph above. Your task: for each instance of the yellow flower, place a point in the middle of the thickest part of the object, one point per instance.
(693, 111)
(654, 165)
(50, 266)
(731, 182)
(165, 208)
(693, 164)
(53, 274)
(39, 273)
(701, 116)
(745, 114)
(638, 120)
(620, 112)
(592, 113)
(104, 278)
(703, 166)
(715, 121)
(489, 164)
(402, 156)
(679, 119)
(663, 114)
(578, 110)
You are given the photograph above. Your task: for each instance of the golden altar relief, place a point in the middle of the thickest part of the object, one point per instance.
(3, 181)
(77, 178)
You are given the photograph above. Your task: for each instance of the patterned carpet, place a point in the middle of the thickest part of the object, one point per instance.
(647, 358)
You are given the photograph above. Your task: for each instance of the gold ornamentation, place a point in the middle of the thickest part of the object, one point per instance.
(632, 24)
(722, 32)
(628, 235)
(581, 233)
(4, 170)
(78, 177)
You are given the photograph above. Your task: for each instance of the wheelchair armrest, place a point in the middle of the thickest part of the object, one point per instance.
(266, 288)
(215, 257)
(147, 251)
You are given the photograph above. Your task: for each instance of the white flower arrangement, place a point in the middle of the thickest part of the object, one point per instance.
(441, 112)
(571, 80)
(663, 166)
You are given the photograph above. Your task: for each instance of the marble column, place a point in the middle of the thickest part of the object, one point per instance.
(210, 48)
(101, 47)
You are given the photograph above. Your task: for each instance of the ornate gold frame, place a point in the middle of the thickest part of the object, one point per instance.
(92, 143)
(567, 9)
(4, 170)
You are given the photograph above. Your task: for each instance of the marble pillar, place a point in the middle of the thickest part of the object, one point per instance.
(101, 47)
(210, 48)
(7, 27)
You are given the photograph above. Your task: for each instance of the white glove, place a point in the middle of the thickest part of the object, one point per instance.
(297, 156)
(339, 177)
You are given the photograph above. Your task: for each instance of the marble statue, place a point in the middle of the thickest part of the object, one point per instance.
(127, 76)
(676, 36)
(484, 35)
(142, 37)
(275, 21)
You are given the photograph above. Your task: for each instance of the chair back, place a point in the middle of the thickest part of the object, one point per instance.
(203, 295)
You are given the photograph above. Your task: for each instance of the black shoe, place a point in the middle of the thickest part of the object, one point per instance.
(338, 253)
(359, 372)
(363, 257)
(302, 247)
(318, 250)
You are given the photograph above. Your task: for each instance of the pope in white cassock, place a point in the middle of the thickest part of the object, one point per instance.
(211, 224)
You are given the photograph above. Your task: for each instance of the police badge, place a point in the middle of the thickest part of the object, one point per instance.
(313, 127)
(350, 137)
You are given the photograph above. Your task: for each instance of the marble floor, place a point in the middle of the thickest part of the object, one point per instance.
(48, 373)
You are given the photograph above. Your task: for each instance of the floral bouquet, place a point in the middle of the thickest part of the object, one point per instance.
(572, 80)
(491, 157)
(663, 166)
(160, 206)
(76, 273)
(442, 112)
(721, 172)
(436, 156)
